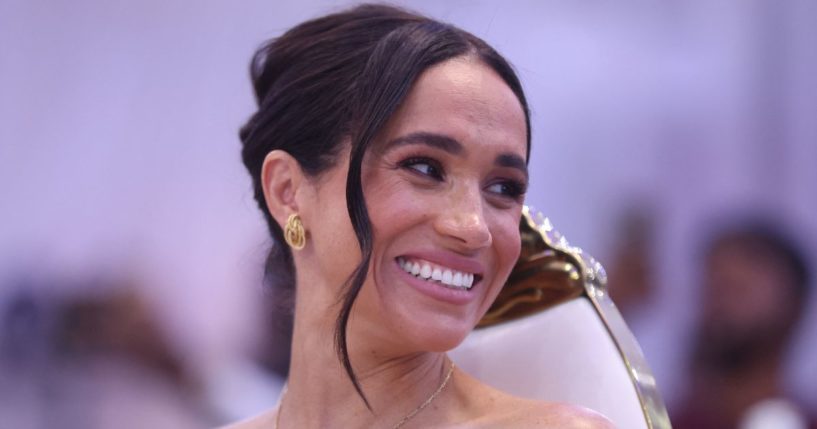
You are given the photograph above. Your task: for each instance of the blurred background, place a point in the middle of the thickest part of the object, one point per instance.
(676, 141)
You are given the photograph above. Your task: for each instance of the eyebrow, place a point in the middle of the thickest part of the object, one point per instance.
(452, 146)
(439, 141)
(512, 160)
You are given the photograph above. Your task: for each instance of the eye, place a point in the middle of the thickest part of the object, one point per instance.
(424, 166)
(508, 188)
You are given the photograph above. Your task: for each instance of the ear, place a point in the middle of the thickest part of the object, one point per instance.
(281, 177)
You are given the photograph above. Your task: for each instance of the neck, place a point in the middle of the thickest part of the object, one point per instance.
(320, 393)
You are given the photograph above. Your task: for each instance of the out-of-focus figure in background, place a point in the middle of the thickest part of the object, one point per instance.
(92, 360)
(755, 289)
(632, 261)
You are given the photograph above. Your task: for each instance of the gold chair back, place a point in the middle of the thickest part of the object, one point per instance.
(549, 272)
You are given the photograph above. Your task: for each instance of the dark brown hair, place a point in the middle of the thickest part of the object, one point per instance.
(342, 76)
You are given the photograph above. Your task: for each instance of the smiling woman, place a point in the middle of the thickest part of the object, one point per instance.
(441, 201)
(389, 151)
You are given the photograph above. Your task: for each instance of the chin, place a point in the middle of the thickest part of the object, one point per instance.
(438, 335)
(420, 316)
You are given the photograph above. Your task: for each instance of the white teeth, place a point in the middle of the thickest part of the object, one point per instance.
(451, 278)
(447, 277)
(425, 272)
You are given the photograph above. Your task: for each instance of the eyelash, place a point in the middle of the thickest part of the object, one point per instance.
(410, 164)
(514, 189)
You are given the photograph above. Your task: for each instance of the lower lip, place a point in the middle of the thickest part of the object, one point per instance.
(436, 290)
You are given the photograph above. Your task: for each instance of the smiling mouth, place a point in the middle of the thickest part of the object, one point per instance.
(438, 274)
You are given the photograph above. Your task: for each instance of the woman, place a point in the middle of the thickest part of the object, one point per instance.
(389, 157)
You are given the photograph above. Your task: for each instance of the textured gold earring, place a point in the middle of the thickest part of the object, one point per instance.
(294, 232)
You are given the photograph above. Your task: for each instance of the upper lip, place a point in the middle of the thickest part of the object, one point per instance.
(449, 260)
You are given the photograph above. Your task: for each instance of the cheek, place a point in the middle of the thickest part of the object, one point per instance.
(338, 248)
(507, 245)
(335, 243)
(508, 236)
(393, 206)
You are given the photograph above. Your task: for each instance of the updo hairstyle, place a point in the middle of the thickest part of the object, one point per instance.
(340, 78)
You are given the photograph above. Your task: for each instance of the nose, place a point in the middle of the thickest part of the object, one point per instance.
(462, 220)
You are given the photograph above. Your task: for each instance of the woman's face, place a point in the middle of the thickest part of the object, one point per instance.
(444, 187)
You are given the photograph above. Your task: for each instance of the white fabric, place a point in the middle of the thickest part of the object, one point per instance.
(562, 354)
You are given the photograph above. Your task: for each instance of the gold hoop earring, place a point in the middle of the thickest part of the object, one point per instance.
(294, 232)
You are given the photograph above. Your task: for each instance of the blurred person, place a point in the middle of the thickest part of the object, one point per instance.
(92, 360)
(631, 274)
(756, 287)
(389, 158)
(118, 367)
(24, 355)
(117, 325)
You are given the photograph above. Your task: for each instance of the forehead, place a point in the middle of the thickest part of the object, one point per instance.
(467, 100)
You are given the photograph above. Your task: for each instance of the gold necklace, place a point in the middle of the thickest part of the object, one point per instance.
(405, 419)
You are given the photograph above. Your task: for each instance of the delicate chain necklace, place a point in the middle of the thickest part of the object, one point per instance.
(405, 419)
(428, 401)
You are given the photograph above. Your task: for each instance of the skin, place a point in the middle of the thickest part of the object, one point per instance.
(457, 205)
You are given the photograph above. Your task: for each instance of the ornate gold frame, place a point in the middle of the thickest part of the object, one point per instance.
(551, 271)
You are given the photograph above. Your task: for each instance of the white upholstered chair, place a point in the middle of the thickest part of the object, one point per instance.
(554, 334)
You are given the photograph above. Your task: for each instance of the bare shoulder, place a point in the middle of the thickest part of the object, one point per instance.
(540, 414)
(500, 409)
(515, 412)
(261, 421)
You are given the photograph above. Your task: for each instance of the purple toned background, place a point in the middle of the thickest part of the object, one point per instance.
(119, 156)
